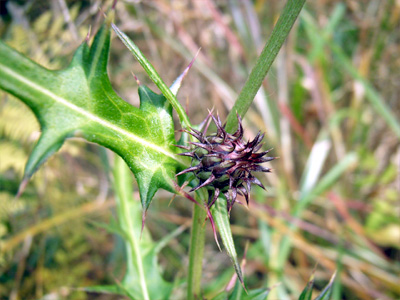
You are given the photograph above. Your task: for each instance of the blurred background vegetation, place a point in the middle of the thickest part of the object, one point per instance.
(332, 201)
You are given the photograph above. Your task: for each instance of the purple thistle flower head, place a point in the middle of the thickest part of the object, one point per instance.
(224, 163)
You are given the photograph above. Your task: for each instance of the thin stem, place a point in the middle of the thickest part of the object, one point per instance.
(196, 252)
(264, 62)
(126, 216)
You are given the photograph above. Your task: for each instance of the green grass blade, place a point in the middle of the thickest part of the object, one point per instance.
(327, 181)
(345, 63)
(265, 60)
(327, 291)
(371, 94)
(315, 162)
(307, 292)
(306, 198)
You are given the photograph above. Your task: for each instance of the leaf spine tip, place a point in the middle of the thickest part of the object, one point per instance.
(137, 80)
(88, 34)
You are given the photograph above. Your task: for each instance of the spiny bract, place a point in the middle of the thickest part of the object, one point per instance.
(224, 162)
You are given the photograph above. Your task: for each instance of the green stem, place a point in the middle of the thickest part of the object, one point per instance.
(196, 252)
(265, 60)
(126, 215)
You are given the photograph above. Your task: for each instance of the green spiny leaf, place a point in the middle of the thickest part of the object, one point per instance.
(221, 218)
(79, 101)
(143, 279)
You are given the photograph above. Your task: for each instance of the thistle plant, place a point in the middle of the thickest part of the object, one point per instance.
(79, 101)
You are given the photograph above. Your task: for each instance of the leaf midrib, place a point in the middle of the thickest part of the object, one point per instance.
(90, 116)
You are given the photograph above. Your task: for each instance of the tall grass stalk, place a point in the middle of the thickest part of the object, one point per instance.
(264, 61)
